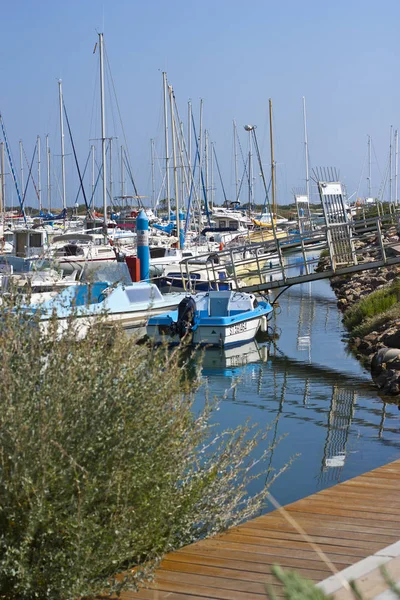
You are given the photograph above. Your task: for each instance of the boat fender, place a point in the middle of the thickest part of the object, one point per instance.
(185, 321)
(264, 324)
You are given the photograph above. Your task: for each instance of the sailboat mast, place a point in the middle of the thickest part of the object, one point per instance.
(273, 185)
(390, 166)
(369, 168)
(306, 150)
(48, 174)
(93, 168)
(21, 160)
(212, 175)
(173, 132)
(39, 190)
(103, 131)
(396, 166)
(60, 95)
(153, 181)
(122, 175)
(236, 162)
(168, 191)
(3, 183)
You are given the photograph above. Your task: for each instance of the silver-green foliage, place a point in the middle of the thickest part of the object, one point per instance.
(104, 465)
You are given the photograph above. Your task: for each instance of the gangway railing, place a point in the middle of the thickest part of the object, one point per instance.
(258, 267)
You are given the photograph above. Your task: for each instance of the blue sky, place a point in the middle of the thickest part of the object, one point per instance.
(342, 56)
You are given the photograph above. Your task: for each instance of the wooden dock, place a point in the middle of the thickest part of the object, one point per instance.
(348, 521)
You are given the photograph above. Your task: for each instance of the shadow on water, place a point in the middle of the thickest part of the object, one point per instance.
(306, 384)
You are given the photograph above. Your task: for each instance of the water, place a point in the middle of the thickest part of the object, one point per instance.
(312, 391)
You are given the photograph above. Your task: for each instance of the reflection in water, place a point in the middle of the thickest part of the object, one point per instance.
(309, 387)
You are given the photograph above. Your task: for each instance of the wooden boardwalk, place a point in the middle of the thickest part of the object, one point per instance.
(349, 522)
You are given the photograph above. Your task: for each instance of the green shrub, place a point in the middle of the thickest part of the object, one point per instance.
(104, 466)
(374, 304)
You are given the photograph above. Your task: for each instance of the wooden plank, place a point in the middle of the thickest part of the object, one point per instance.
(237, 568)
(348, 521)
(300, 543)
(354, 541)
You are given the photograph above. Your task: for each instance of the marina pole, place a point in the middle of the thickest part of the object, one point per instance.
(143, 252)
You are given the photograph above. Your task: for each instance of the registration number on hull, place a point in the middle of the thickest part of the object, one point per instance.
(238, 328)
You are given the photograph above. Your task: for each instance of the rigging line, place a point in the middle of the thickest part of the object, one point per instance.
(33, 181)
(128, 166)
(10, 161)
(76, 158)
(219, 173)
(126, 149)
(29, 175)
(83, 176)
(244, 161)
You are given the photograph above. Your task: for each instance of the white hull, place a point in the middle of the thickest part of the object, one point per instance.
(231, 335)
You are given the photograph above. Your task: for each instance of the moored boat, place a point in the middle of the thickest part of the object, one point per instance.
(215, 318)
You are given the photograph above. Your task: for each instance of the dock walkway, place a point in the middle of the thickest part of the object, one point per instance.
(349, 522)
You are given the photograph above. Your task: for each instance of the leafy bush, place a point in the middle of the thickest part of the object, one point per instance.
(374, 304)
(104, 467)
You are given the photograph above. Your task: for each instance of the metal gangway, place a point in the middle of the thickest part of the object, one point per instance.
(350, 244)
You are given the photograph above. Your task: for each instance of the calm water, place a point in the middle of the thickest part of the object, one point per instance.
(312, 390)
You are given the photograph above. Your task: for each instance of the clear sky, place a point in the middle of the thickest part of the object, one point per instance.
(343, 56)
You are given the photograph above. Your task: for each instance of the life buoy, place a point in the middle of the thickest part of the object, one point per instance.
(221, 246)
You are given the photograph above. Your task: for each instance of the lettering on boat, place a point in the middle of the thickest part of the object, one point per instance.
(238, 328)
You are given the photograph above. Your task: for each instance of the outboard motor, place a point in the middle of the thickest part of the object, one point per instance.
(185, 322)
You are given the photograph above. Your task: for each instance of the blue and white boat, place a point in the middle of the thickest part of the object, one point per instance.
(214, 318)
(130, 305)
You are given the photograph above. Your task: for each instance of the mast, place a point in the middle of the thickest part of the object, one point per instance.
(122, 174)
(200, 149)
(21, 161)
(111, 180)
(3, 183)
(60, 95)
(206, 162)
(103, 132)
(236, 162)
(273, 188)
(189, 135)
(250, 173)
(390, 166)
(166, 145)
(306, 150)
(369, 168)
(48, 174)
(396, 166)
(39, 175)
(212, 175)
(178, 229)
(153, 183)
(93, 167)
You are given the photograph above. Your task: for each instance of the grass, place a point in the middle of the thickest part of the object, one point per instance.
(376, 322)
(372, 308)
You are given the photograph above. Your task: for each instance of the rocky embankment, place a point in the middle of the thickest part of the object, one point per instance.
(379, 349)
